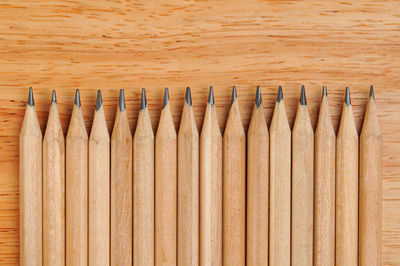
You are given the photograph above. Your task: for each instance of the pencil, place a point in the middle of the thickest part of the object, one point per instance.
(324, 190)
(302, 185)
(30, 180)
(280, 182)
(234, 187)
(121, 187)
(210, 187)
(257, 186)
(347, 188)
(53, 189)
(76, 188)
(143, 188)
(99, 188)
(188, 186)
(166, 187)
(370, 249)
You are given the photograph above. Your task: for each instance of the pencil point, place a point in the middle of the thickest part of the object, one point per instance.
(122, 105)
(258, 97)
(188, 96)
(279, 97)
(77, 98)
(99, 100)
(53, 97)
(371, 93)
(166, 98)
(303, 100)
(347, 99)
(31, 102)
(211, 96)
(143, 103)
(324, 91)
(234, 94)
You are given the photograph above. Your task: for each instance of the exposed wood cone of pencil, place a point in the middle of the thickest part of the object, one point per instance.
(166, 188)
(210, 187)
(234, 187)
(77, 188)
(324, 187)
(370, 220)
(347, 188)
(30, 180)
(280, 183)
(99, 188)
(121, 187)
(143, 188)
(257, 186)
(302, 185)
(53, 189)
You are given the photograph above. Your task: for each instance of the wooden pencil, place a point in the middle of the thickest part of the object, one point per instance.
(370, 223)
(53, 189)
(280, 183)
(302, 185)
(99, 188)
(188, 186)
(210, 187)
(30, 180)
(324, 189)
(76, 188)
(166, 188)
(257, 186)
(347, 188)
(234, 187)
(143, 188)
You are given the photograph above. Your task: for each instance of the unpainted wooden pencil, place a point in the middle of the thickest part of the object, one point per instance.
(257, 186)
(280, 185)
(53, 189)
(143, 188)
(210, 187)
(324, 189)
(188, 186)
(234, 187)
(99, 188)
(121, 187)
(30, 180)
(166, 188)
(76, 188)
(370, 223)
(347, 188)
(302, 185)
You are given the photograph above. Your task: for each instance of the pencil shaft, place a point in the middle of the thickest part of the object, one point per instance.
(53, 191)
(30, 180)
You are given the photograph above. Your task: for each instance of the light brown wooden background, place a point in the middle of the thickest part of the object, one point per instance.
(110, 45)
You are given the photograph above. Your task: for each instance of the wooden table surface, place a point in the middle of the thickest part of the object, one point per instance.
(110, 45)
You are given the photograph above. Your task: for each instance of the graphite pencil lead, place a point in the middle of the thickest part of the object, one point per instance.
(53, 97)
(258, 97)
(303, 100)
(279, 97)
(371, 92)
(324, 91)
(347, 99)
(188, 96)
(77, 98)
(166, 98)
(143, 103)
(31, 102)
(234, 94)
(211, 96)
(122, 105)
(99, 100)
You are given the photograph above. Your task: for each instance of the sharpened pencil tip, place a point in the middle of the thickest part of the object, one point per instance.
(121, 104)
(279, 97)
(31, 101)
(53, 97)
(188, 96)
(77, 98)
(166, 98)
(324, 91)
(99, 100)
(347, 99)
(371, 92)
(234, 94)
(258, 97)
(143, 103)
(211, 96)
(303, 100)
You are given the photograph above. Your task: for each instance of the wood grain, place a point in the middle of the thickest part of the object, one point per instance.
(108, 45)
